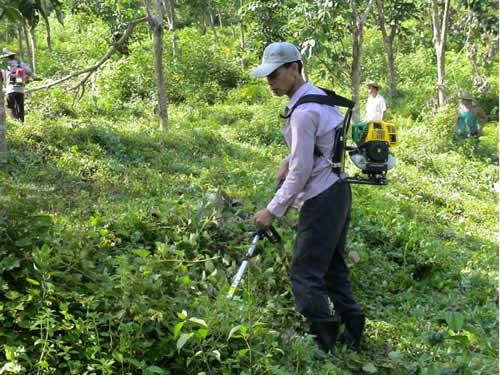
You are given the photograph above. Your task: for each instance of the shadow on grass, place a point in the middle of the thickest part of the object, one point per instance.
(88, 162)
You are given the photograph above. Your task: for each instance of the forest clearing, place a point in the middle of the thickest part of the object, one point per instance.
(127, 194)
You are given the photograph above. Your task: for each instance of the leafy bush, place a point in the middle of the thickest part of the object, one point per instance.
(116, 254)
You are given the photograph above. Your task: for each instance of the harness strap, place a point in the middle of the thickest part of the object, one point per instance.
(331, 99)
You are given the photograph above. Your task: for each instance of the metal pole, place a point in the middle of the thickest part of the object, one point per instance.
(244, 266)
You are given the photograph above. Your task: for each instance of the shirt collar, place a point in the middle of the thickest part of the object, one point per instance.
(300, 92)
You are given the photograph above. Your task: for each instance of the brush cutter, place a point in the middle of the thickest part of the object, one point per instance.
(272, 236)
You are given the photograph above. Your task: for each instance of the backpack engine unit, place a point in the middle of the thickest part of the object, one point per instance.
(372, 141)
(16, 75)
(371, 154)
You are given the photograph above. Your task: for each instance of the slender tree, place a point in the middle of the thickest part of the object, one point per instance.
(209, 16)
(3, 135)
(440, 18)
(45, 10)
(172, 22)
(19, 33)
(155, 20)
(8, 12)
(358, 22)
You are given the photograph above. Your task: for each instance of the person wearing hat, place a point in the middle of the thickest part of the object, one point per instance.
(467, 117)
(318, 271)
(375, 104)
(14, 78)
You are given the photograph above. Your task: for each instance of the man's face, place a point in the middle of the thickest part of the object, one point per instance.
(281, 80)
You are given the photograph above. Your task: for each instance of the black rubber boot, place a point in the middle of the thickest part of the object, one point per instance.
(326, 332)
(354, 328)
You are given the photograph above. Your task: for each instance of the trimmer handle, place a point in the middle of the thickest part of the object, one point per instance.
(270, 234)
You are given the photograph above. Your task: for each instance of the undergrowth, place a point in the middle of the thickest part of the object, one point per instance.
(118, 242)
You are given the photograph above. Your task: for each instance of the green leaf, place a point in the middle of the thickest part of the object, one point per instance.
(395, 355)
(9, 263)
(190, 359)
(9, 353)
(178, 328)
(136, 363)
(118, 356)
(154, 370)
(183, 339)
(143, 253)
(24, 242)
(201, 322)
(461, 339)
(186, 280)
(370, 368)
(216, 353)
(34, 282)
(202, 333)
(231, 333)
(455, 320)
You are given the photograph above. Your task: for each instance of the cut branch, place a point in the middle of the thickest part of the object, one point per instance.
(93, 68)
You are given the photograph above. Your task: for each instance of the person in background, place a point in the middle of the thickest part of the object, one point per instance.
(14, 79)
(467, 117)
(318, 270)
(375, 104)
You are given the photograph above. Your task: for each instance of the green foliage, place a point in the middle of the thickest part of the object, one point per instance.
(116, 252)
(207, 81)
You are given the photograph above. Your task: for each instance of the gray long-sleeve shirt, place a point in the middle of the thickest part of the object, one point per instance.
(308, 175)
(13, 63)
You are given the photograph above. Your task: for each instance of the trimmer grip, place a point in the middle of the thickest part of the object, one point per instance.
(271, 234)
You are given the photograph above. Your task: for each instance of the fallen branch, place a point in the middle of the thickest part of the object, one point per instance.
(93, 68)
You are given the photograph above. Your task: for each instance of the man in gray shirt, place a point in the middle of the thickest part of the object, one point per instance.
(318, 270)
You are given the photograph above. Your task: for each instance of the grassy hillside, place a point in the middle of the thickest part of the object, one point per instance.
(118, 243)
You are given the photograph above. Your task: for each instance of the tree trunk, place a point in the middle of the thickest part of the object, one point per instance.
(19, 28)
(242, 38)
(156, 23)
(357, 42)
(440, 30)
(3, 136)
(305, 76)
(32, 39)
(29, 46)
(242, 29)
(203, 25)
(172, 22)
(388, 43)
(7, 36)
(49, 38)
(43, 3)
(210, 19)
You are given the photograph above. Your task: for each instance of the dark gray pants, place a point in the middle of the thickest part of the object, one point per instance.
(15, 106)
(318, 269)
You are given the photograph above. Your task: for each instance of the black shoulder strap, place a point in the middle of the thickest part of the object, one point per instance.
(331, 99)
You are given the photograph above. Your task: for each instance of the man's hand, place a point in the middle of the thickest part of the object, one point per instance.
(263, 219)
